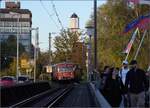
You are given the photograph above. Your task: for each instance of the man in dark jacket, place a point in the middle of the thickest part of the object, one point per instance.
(135, 84)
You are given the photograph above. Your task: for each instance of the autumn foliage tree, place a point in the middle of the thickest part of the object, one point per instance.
(112, 17)
(8, 55)
(63, 43)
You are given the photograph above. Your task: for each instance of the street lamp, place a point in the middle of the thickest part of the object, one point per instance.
(89, 32)
(95, 34)
(35, 49)
(50, 52)
(17, 66)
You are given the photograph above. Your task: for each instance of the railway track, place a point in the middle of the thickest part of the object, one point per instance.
(59, 97)
(48, 98)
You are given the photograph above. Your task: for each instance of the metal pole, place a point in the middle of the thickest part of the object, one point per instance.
(34, 61)
(37, 42)
(142, 40)
(17, 35)
(0, 51)
(132, 40)
(95, 34)
(0, 3)
(127, 57)
(148, 37)
(35, 54)
(90, 58)
(87, 53)
(17, 66)
(49, 48)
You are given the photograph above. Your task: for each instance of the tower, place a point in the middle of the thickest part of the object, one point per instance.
(74, 23)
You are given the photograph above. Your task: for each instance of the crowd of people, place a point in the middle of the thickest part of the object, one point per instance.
(125, 87)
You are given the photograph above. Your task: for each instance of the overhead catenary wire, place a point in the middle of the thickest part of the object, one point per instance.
(50, 15)
(56, 13)
(63, 29)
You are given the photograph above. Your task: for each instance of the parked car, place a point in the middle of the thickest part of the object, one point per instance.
(7, 81)
(23, 79)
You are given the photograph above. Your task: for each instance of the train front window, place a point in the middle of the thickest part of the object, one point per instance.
(65, 69)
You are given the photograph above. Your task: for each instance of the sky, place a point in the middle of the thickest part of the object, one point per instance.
(49, 24)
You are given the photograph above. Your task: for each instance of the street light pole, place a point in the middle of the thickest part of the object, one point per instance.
(95, 34)
(90, 57)
(17, 50)
(36, 52)
(90, 30)
(89, 67)
(49, 48)
(18, 31)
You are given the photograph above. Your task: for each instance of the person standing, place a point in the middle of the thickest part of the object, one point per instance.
(104, 76)
(113, 88)
(147, 94)
(135, 84)
(123, 71)
(122, 74)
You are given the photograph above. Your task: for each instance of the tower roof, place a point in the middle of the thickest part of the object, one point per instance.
(74, 15)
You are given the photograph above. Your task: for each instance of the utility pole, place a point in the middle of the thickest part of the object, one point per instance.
(37, 41)
(18, 50)
(90, 57)
(18, 34)
(89, 31)
(35, 51)
(50, 60)
(95, 34)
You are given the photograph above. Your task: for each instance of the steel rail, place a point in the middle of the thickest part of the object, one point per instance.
(22, 103)
(60, 96)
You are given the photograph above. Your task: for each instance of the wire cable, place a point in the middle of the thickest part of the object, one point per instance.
(50, 15)
(56, 13)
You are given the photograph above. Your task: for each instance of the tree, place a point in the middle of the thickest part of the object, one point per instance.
(8, 47)
(112, 17)
(63, 43)
(43, 60)
(25, 63)
(8, 51)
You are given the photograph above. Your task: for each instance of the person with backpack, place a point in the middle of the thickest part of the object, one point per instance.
(136, 84)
